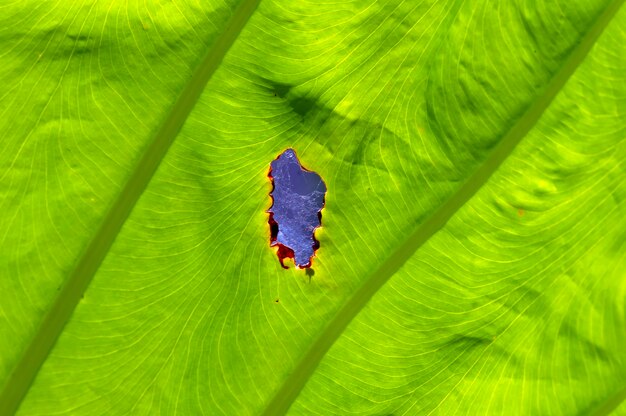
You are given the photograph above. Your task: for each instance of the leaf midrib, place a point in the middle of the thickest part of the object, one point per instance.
(296, 381)
(54, 321)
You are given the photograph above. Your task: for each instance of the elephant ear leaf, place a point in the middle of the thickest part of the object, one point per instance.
(468, 159)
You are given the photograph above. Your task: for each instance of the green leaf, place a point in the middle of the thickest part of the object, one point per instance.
(473, 244)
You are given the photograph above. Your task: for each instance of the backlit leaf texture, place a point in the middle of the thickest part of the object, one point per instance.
(473, 248)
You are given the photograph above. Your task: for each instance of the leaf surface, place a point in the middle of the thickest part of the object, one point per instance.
(452, 276)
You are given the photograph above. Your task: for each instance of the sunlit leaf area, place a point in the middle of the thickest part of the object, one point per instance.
(461, 249)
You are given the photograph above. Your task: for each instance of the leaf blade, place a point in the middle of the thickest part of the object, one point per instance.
(184, 307)
(292, 387)
(78, 281)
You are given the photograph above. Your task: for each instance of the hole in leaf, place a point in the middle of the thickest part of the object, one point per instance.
(298, 196)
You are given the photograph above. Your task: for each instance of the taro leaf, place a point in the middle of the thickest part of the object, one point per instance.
(298, 198)
(474, 234)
